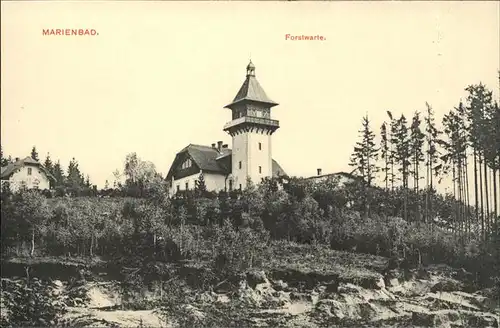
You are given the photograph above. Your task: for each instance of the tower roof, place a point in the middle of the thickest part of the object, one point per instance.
(251, 90)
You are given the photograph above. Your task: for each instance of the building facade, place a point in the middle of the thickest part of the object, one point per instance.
(26, 173)
(251, 129)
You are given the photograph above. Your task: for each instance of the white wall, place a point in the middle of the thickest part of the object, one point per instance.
(213, 181)
(37, 178)
(246, 150)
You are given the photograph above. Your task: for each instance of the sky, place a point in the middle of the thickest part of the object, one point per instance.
(158, 74)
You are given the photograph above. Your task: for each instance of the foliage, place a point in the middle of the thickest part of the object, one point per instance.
(38, 307)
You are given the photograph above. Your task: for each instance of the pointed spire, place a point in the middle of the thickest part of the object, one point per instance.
(250, 69)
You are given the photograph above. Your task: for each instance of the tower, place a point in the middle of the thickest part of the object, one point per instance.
(251, 129)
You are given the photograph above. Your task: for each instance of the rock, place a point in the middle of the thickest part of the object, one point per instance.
(345, 310)
(205, 298)
(422, 273)
(369, 282)
(256, 277)
(323, 289)
(482, 320)
(301, 297)
(380, 284)
(463, 275)
(434, 319)
(447, 285)
(394, 282)
(280, 298)
(348, 288)
(194, 313)
(223, 298)
(280, 285)
(391, 278)
(57, 283)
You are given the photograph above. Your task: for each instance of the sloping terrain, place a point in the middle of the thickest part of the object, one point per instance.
(297, 286)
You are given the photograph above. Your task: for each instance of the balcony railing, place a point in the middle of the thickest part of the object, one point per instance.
(254, 120)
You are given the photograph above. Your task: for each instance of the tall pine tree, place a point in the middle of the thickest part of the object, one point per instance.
(416, 152)
(48, 164)
(364, 159)
(385, 154)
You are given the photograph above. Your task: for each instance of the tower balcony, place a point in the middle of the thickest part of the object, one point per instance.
(252, 122)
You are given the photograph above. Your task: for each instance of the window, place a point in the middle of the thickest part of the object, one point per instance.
(240, 186)
(230, 185)
(29, 170)
(178, 188)
(260, 146)
(260, 169)
(186, 164)
(239, 165)
(187, 185)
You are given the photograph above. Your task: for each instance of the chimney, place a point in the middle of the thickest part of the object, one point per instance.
(219, 145)
(319, 171)
(224, 146)
(17, 159)
(213, 145)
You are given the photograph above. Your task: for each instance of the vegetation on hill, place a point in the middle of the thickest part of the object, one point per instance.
(231, 232)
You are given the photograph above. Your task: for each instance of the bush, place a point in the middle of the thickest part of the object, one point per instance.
(29, 305)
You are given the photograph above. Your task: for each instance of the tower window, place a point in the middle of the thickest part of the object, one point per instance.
(29, 170)
(239, 164)
(260, 169)
(260, 146)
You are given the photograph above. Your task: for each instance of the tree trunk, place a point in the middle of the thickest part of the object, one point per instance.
(476, 204)
(32, 251)
(467, 198)
(483, 223)
(487, 197)
(454, 223)
(495, 195)
(91, 253)
(431, 173)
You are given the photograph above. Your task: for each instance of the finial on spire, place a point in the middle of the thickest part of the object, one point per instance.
(250, 69)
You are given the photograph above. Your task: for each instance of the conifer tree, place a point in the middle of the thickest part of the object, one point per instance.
(48, 164)
(432, 165)
(478, 101)
(364, 159)
(200, 186)
(416, 144)
(58, 173)
(34, 153)
(392, 150)
(385, 154)
(402, 157)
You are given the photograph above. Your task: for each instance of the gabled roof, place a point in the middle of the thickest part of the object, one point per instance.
(344, 174)
(11, 168)
(211, 160)
(204, 157)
